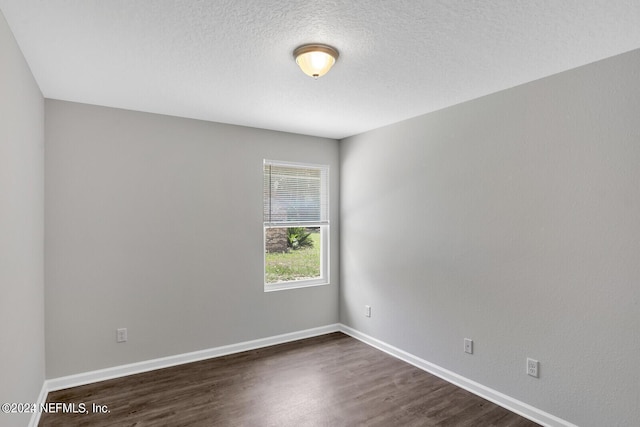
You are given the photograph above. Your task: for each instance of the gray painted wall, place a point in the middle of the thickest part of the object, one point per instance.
(21, 230)
(154, 223)
(512, 220)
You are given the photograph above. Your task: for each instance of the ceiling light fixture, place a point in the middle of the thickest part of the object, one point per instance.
(315, 60)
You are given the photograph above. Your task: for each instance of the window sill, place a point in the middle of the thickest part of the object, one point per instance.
(294, 285)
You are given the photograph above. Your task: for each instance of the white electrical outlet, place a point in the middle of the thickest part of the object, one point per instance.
(468, 346)
(532, 367)
(121, 335)
(367, 310)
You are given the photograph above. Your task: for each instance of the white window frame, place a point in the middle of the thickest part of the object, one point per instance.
(323, 224)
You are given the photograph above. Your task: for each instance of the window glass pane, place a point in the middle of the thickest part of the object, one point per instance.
(293, 254)
(296, 224)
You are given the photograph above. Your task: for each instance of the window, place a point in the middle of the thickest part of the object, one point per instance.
(296, 225)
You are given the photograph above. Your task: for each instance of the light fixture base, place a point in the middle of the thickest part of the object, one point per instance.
(315, 60)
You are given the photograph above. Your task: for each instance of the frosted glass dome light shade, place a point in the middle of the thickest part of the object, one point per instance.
(315, 60)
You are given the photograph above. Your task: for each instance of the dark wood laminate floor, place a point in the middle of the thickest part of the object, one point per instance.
(331, 380)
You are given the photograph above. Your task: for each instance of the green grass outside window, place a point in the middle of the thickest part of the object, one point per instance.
(296, 264)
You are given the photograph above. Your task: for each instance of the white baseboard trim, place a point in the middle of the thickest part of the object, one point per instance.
(507, 402)
(179, 359)
(42, 399)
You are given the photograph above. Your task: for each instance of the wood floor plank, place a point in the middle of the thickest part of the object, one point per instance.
(331, 380)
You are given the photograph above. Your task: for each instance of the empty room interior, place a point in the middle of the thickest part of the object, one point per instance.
(462, 180)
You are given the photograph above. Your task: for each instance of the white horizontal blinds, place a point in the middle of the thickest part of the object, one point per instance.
(295, 195)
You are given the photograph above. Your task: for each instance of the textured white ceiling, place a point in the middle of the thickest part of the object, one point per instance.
(230, 60)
